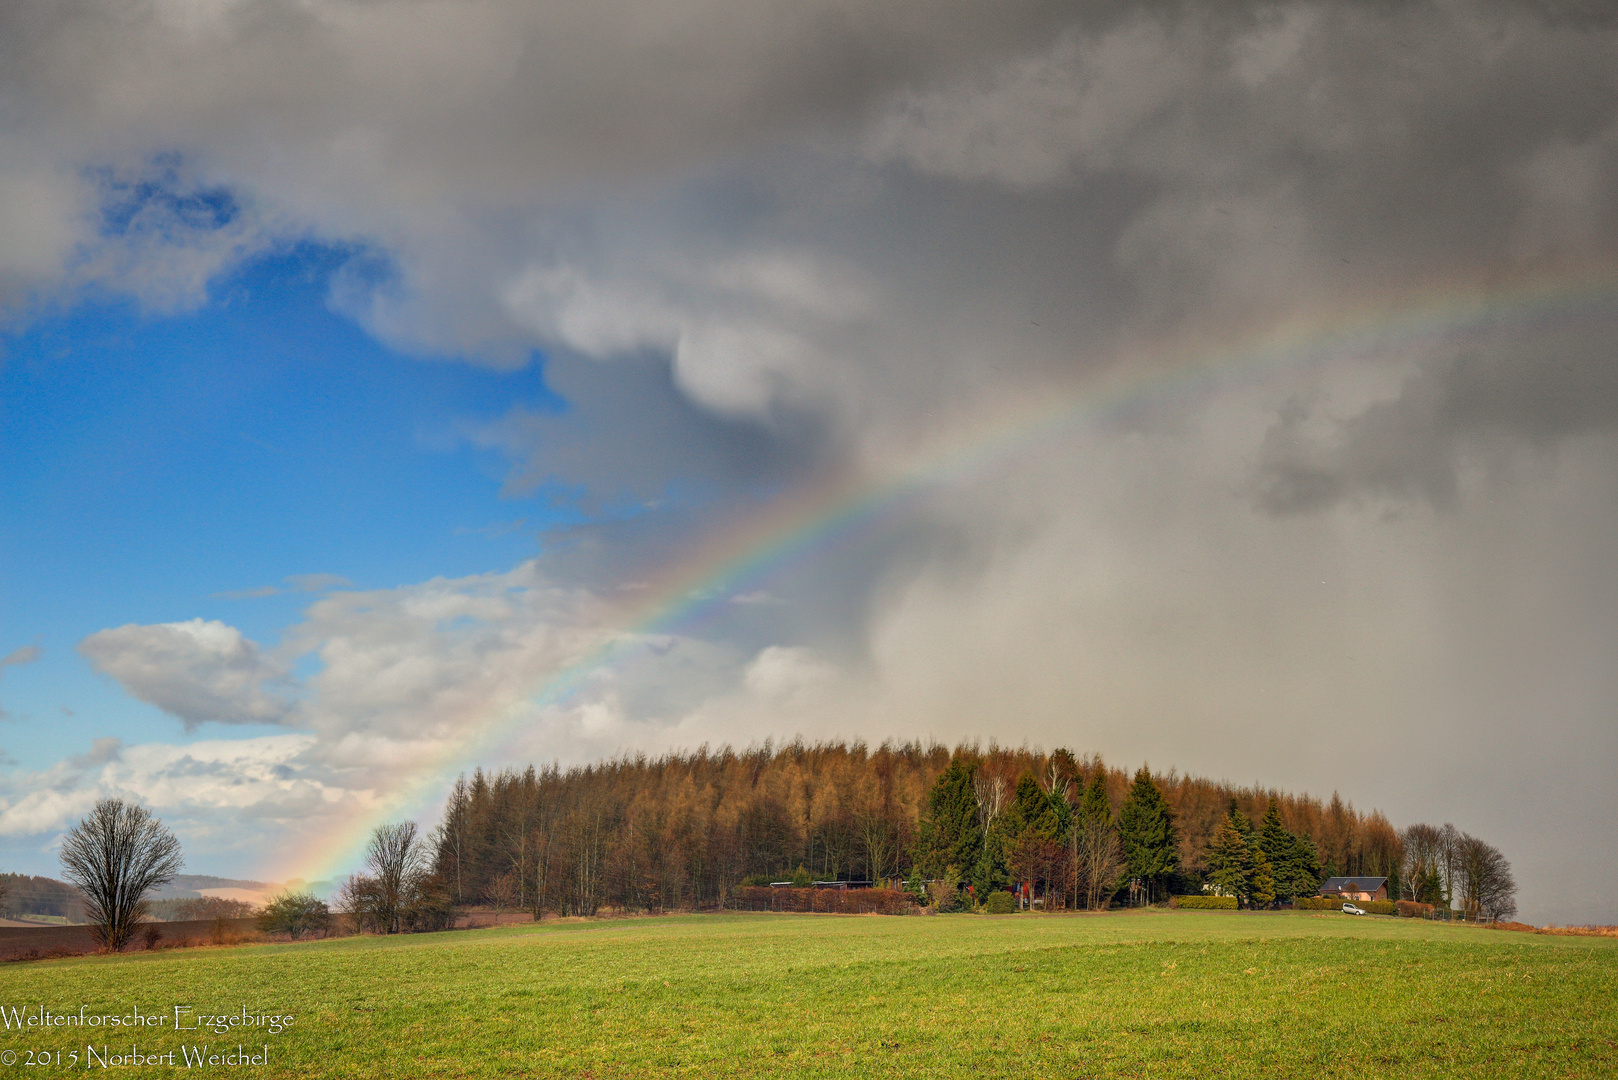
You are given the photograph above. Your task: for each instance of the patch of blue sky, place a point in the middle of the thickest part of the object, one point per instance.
(160, 193)
(158, 469)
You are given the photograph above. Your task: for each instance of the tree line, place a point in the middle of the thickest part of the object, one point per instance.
(968, 827)
(686, 830)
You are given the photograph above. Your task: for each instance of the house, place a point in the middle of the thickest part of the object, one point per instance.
(1355, 888)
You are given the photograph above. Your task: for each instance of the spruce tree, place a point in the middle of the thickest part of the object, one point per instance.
(1146, 826)
(1229, 860)
(1280, 849)
(1262, 883)
(1239, 820)
(950, 835)
(1306, 872)
(1034, 809)
(993, 872)
(1095, 806)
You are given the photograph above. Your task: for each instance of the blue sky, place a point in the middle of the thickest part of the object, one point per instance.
(343, 402)
(172, 465)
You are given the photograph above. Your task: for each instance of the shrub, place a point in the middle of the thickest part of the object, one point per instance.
(295, 914)
(945, 893)
(1380, 907)
(1410, 909)
(1205, 903)
(1317, 903)
(1000, 902)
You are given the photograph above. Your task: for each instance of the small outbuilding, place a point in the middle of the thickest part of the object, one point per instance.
(1355, 888)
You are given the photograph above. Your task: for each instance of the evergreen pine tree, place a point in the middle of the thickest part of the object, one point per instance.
(950, 834)
(1280, 851)
(1146, 826)
(1034, 809)
(1229, 860)
(1095, 807)
(1306, 872)
(1262, 883)
(1239, 820)
(992, 872)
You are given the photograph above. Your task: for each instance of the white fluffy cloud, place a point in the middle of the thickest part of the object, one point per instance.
(194, 778)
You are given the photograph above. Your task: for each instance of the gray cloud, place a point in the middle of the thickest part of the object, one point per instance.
(199, 671)
(1470, 408)
(102, 751)
(25, 654)
(318, 582)
(256, 593)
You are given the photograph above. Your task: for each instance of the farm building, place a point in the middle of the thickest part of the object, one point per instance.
(1355, 888)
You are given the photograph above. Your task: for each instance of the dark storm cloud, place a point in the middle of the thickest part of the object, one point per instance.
(1477, 405)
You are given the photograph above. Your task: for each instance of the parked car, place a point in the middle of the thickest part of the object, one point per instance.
(1350, 909)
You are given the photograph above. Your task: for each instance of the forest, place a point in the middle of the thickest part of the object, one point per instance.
(688, 830)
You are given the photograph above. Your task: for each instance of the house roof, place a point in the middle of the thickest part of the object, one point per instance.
(1353, 884)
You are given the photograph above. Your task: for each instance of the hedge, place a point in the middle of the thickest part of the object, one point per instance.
(1373, 907)
(1215, 903)
(843, 901)
(1000, 902)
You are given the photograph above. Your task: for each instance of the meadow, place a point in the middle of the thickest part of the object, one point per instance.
(1149, 994)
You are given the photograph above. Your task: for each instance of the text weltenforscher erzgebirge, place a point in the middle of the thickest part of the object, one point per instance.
(138, 1022)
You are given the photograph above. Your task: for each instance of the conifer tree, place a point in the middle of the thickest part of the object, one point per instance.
(950, 834)
(1035, 821)
(1262, 883)
(1239, 820)
(993, 871)
(1280, 849)
(1306, 872)
(1034, 809)
(1229, 860)
(1146, 827)
(1095, 805)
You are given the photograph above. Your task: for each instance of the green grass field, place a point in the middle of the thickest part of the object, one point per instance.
(1154, 994)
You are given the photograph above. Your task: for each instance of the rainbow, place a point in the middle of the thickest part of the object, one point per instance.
(1162, 372)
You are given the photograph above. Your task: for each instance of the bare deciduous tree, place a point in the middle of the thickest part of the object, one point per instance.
(397, 859)
(1487, 889)
(360, 899)
(504, 893)
(991, 793)
(115, 856)
(1098, 860)
(1421, 875)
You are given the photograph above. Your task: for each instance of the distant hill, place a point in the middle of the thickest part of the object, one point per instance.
(187, 886)
(27, 894)
(30, 895)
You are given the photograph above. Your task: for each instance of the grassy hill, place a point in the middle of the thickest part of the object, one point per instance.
(1149, 994)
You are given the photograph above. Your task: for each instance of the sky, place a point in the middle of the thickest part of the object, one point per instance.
(393, 387)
